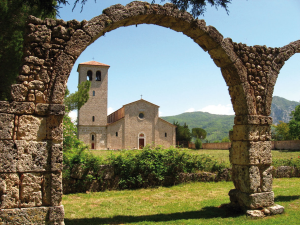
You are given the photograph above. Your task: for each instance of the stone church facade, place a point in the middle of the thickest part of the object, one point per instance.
(133, 126)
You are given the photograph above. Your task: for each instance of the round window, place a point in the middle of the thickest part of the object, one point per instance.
(141, 115)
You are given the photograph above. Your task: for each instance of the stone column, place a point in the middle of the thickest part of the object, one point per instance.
(251, 158)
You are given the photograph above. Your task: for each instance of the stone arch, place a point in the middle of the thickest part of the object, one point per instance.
(34, 119)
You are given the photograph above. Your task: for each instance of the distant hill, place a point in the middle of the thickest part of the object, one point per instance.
(281, 109)
(217, 126)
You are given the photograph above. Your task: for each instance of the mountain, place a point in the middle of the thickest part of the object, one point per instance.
(281, 109)
(218, 126)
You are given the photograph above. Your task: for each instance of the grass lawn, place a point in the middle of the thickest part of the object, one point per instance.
(220, 155)
(192, 203)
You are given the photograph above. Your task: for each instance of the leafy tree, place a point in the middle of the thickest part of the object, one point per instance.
(198, 7)
(281, 131)
(13, 15)
(199, 133)
(198, 143)
(183, 133)
(79, 98)
(74, 101)
(225, 139)
(294, 124)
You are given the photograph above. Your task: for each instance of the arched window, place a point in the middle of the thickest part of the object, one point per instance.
(165, 134)
(93, 93)
(93, 118)
(116, 134)
(89, 75)
(98, 76)
(93, 137)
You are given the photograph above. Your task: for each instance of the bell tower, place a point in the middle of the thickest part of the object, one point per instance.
(92, 117)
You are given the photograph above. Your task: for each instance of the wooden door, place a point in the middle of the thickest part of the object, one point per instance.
(141, 143)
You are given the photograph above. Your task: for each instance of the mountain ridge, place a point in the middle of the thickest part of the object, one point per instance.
(217, 126)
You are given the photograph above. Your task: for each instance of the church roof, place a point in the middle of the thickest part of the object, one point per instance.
(141, 100)
(93, 63)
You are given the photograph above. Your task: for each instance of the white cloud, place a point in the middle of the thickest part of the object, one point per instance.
(219, 109)
(190, 110)
(73, 115)
(110, 110)
(160, 113)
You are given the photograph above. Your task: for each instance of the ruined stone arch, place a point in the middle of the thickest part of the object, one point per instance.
(33, 120)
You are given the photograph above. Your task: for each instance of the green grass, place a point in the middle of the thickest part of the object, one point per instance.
(192, 203)
(220, 155)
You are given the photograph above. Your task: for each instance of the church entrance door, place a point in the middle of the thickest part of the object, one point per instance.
(141, 143)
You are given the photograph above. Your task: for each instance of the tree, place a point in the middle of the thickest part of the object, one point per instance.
(198, 7)
(74, 101)
(225, 139)
(198, 143)
(294, 124)
(281, 131)
(13, 15)
(79, 98)
(183, 133)
(199, 133)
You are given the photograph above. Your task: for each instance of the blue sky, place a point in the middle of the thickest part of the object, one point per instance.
(170, 70)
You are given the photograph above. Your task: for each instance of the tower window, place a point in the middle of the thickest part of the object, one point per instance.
(93, 93)
(93, 137)
(116, 134)
(165, 134)
(93, 118)
(89, 75)
(98, 76)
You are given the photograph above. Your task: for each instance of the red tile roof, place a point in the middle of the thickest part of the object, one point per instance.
(94, 63)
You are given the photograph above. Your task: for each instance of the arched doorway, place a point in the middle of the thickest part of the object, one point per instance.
(141, 140)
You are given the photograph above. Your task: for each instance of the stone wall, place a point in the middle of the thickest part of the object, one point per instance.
(275, 145)
(31, 125)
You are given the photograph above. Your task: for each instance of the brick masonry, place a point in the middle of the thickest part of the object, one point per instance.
(51, 48)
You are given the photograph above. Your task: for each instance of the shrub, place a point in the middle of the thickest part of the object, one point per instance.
(198, 143)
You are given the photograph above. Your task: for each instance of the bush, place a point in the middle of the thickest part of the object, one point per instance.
(198, 143)
(151, 167)
(293, 162)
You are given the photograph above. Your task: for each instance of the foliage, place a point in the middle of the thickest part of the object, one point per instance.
(225, 139)
(199, 133)
(281, 132)
(198, 144)
(183, 133)
(70, 134)
(151, 166)
(293, 162)
(198, 7)
(79, 98)
(13, 15)
(294, 124)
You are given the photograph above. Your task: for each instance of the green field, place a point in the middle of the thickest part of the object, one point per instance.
(192, 203)
(220, 155)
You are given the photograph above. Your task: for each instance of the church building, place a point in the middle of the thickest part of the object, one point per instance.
(133, 126)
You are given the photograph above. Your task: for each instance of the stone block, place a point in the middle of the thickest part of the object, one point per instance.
(56, 189)
(36, 215)
(57, 109)
(284, 171)
(246, 178)
(78, 42)
(255, 213)
(276, 209)
(19, 92)
(6, 125)
(46, 190)
(253, 119)
(31, 128)
(57, 157)
(22, 108)
(95, 26)
(56, 214)
(251, 133)
(9, 190)
(54, 128)
(4, 106)
(32, 156)
(8, 156)
(267, 178)
(250, 153)
(251, 201)
(31, 189)
(42, 109)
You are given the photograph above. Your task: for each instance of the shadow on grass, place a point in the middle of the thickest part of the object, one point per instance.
(286, 198)
(205, 213)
